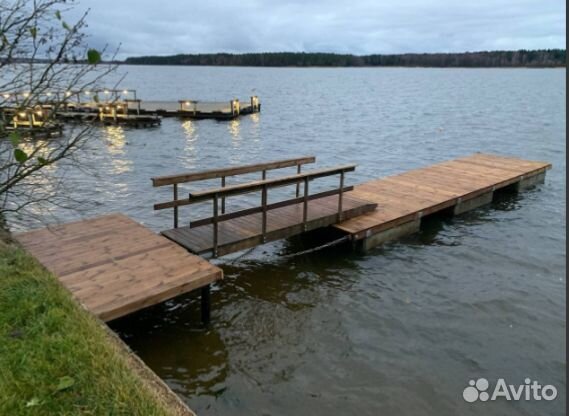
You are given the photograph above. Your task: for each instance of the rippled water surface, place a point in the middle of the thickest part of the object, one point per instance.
(398, 330)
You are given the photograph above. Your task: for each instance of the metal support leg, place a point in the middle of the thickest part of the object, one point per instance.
(206, 304)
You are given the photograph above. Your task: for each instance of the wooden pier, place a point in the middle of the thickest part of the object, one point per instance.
(370, 213)
(193, 109)
(114, 266)
(456, 186)
(109, 106)
(225, 233)
(30, 121)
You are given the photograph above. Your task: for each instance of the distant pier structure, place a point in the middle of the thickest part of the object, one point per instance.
(109, 106)
(193, 109)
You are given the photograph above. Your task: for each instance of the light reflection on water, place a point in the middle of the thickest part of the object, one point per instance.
(115, 138)
(116, 142)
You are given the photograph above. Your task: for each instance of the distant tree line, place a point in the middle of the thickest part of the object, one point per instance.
(519, 58)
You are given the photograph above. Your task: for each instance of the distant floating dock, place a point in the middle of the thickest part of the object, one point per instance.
(193, 109)
(44, 114)
(114, 266)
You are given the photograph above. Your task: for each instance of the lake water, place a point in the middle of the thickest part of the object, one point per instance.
(398, 330)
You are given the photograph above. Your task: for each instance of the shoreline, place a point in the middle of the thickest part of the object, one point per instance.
(346, 66)
(105, 375)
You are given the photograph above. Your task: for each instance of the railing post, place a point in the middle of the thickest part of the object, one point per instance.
(215, 224)
(264, 206)
(264, 174)
(298, 170)
(175, 207)
(223, 197)
(305, 206)
(340, 196)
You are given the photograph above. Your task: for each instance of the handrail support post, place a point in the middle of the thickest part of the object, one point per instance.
(223, 197)
(305, 205)
(298, 171)
(340, 196)
(175, 207)
(264, 206)
(215, 225)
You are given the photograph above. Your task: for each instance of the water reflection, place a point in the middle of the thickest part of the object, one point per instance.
(234, 128)
(115, 137)
(255, 126)
(31, 145)
(189, 128)
(191, 358)
(258, 305)
(44, 182)
(116, 140)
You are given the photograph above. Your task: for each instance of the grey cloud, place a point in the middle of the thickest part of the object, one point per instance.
(146, 27)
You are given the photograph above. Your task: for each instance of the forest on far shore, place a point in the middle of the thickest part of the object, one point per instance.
(519, 58)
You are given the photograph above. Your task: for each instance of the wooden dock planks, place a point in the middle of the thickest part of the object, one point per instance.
(114, 266)
(245, 232)
(411, 195)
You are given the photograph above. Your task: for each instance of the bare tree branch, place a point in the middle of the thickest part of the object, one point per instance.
(42, 58)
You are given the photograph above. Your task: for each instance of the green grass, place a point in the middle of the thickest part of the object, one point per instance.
(56, 359)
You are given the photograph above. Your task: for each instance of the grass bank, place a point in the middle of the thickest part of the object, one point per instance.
(55, 358)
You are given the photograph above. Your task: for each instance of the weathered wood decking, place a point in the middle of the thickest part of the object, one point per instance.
(114, 266)
(460, 184)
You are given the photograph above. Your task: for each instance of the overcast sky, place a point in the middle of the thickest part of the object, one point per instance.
(154, 27)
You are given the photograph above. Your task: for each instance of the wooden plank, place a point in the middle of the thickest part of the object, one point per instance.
(123, 306)
(509, 161)
(269, 207)
(255, 186)
(232, 171)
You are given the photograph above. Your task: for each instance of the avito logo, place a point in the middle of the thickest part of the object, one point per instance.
(480, 390)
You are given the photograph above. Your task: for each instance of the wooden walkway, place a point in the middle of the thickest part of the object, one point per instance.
(228, 232)
(461, 184)
(114, 266)
(245, 232)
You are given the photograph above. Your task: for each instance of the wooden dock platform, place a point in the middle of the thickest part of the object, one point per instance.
(114, 266)
(458, 185)
(220, 110)
(371, 213)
